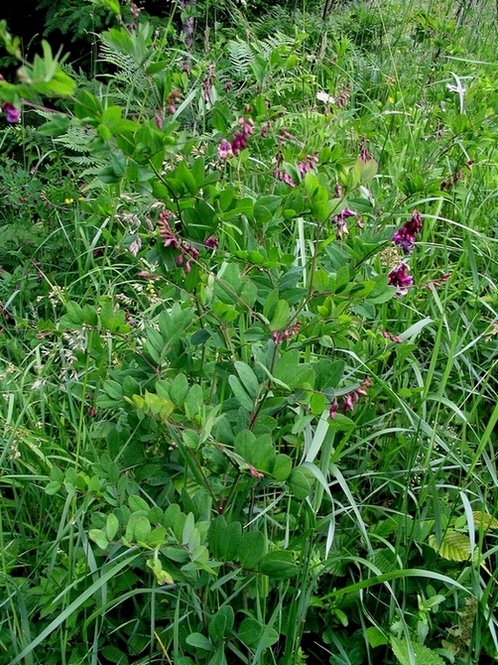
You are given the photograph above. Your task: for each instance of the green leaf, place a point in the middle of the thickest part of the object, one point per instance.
(58, 125)
(142, 528)
(112, 5)
(242, 397)
(376, 637)
(98, 536)
(423, 655)
(137, 503)
(300, 482)
(114, 655)
(74, 312)
(279, 565)
(220, 626)
(248, 379)
(282, 467)
(455, 546)
(218, 658)
(280, 316)
(199, 641)
(252, 549)
(178, 389)
(255, 634)
(112, 526)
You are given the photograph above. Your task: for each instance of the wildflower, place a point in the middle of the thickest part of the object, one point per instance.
(135, 246)
(282, 175)
(307, 164)
(351, 398)
(365, 154)
(225, 149)
(212, 242)
(254, 473)
(333, 409)
(393, 338)
(405, 236)
(68, 201)
(400, 278)
(340, 222)
(11, 113)
(265, 129)
(239, 142)
(283, 335)
(325, 97)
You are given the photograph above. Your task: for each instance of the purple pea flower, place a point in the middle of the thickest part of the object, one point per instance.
(11, 113)
(400, 278)
(405, 236)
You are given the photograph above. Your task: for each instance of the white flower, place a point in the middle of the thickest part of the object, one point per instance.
(325, 97)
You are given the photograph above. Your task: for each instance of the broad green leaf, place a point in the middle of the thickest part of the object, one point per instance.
(455, 546)
(279, 565)
(112, 526)
(98, 536)
(376, 637)
(282, 467)
(247, 377)
(220, 626)
(281, 315)
(255, 634)
(252, 549)
(423, 655)
(242, 397)
(142, 528)
(199, 641)
(300, 482)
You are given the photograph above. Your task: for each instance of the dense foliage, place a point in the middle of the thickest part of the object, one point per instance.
(248, 312)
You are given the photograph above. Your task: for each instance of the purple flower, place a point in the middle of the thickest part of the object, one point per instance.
(400, 278)
(212, 242)
(405, 236)
(11, 113)
(333, 409)
(225, 149)
(282, 175)
(340, 221)
(239, 142)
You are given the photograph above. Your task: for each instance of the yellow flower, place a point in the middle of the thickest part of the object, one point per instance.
(68, 201)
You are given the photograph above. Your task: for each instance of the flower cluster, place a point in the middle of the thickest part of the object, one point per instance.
(399, 278)
(282, 175)
(185, 251)
(307, 164)
(239, 142)
(350, 399)
(341, 223)
(283, 335)
(405, 236)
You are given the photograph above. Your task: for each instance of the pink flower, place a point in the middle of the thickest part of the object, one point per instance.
(254, 473)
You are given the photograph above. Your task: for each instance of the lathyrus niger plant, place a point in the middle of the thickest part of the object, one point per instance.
(235, 436)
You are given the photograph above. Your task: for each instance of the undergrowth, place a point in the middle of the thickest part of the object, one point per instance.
(248, 310)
